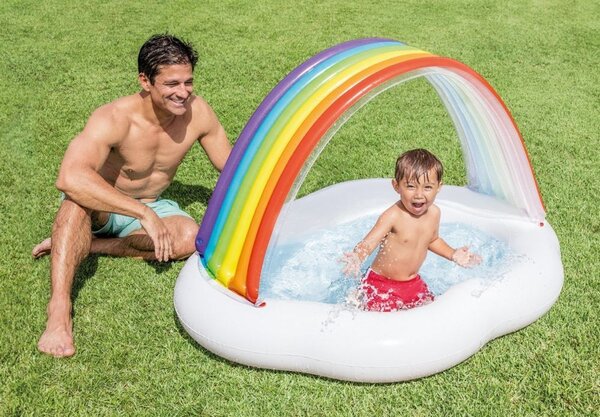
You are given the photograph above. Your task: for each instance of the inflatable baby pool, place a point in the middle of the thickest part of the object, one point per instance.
(217, 293)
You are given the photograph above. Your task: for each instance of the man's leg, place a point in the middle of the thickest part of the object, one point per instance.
(71, 239)
(138, 244)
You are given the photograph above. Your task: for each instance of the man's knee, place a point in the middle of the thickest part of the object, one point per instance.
(186, 239)
(71, 213)
(71, 233)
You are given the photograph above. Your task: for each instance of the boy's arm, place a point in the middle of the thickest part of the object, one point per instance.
(382, 227)
(365, 247)
(441, 248)
(460, 256)
(437, 244)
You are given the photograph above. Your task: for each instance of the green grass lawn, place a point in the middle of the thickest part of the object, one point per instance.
(62, 59)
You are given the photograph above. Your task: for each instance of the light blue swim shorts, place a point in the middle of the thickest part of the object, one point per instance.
(119, 225)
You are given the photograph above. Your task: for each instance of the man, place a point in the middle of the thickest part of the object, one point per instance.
(114, 171)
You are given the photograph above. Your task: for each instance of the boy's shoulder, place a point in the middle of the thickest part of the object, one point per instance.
(394, 209)
(393, 213)
(434, 214)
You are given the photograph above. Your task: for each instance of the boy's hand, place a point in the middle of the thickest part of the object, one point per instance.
(351, 263)
(464, 258)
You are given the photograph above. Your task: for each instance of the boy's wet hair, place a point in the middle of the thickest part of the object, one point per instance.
(164, 49)
(416, 163)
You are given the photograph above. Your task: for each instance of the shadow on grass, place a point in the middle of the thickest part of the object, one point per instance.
(86, 270)
(186, 194)
(161, 267)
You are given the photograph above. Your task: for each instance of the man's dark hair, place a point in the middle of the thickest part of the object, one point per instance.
(164, 49)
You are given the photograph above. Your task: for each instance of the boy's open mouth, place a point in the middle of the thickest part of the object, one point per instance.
(418, 205)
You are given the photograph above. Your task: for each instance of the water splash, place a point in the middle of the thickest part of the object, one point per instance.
(309, 270)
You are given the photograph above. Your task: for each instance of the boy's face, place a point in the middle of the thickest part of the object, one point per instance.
(418, 194)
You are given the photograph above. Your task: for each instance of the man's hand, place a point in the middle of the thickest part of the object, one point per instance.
(158, 232)
(464, 258)
(351, 262)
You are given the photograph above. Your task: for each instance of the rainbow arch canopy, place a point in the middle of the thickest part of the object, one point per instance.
(299, 116)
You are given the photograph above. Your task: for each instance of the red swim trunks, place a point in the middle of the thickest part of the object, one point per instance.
(383, 294)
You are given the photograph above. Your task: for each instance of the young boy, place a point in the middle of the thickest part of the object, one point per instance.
(405, 232)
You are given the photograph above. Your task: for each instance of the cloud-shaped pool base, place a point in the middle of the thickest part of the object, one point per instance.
(331, 341)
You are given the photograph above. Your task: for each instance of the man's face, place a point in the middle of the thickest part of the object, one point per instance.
(172, 88)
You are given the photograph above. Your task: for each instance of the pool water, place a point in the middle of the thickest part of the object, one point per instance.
(310, 270)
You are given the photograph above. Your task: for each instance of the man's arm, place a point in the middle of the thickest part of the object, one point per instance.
(214, 140)
(79, 176)
(80, 180)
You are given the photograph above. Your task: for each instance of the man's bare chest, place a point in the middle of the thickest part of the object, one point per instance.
(141, 154)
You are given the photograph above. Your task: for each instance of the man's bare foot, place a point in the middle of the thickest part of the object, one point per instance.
(57, 339)
(42, 249)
